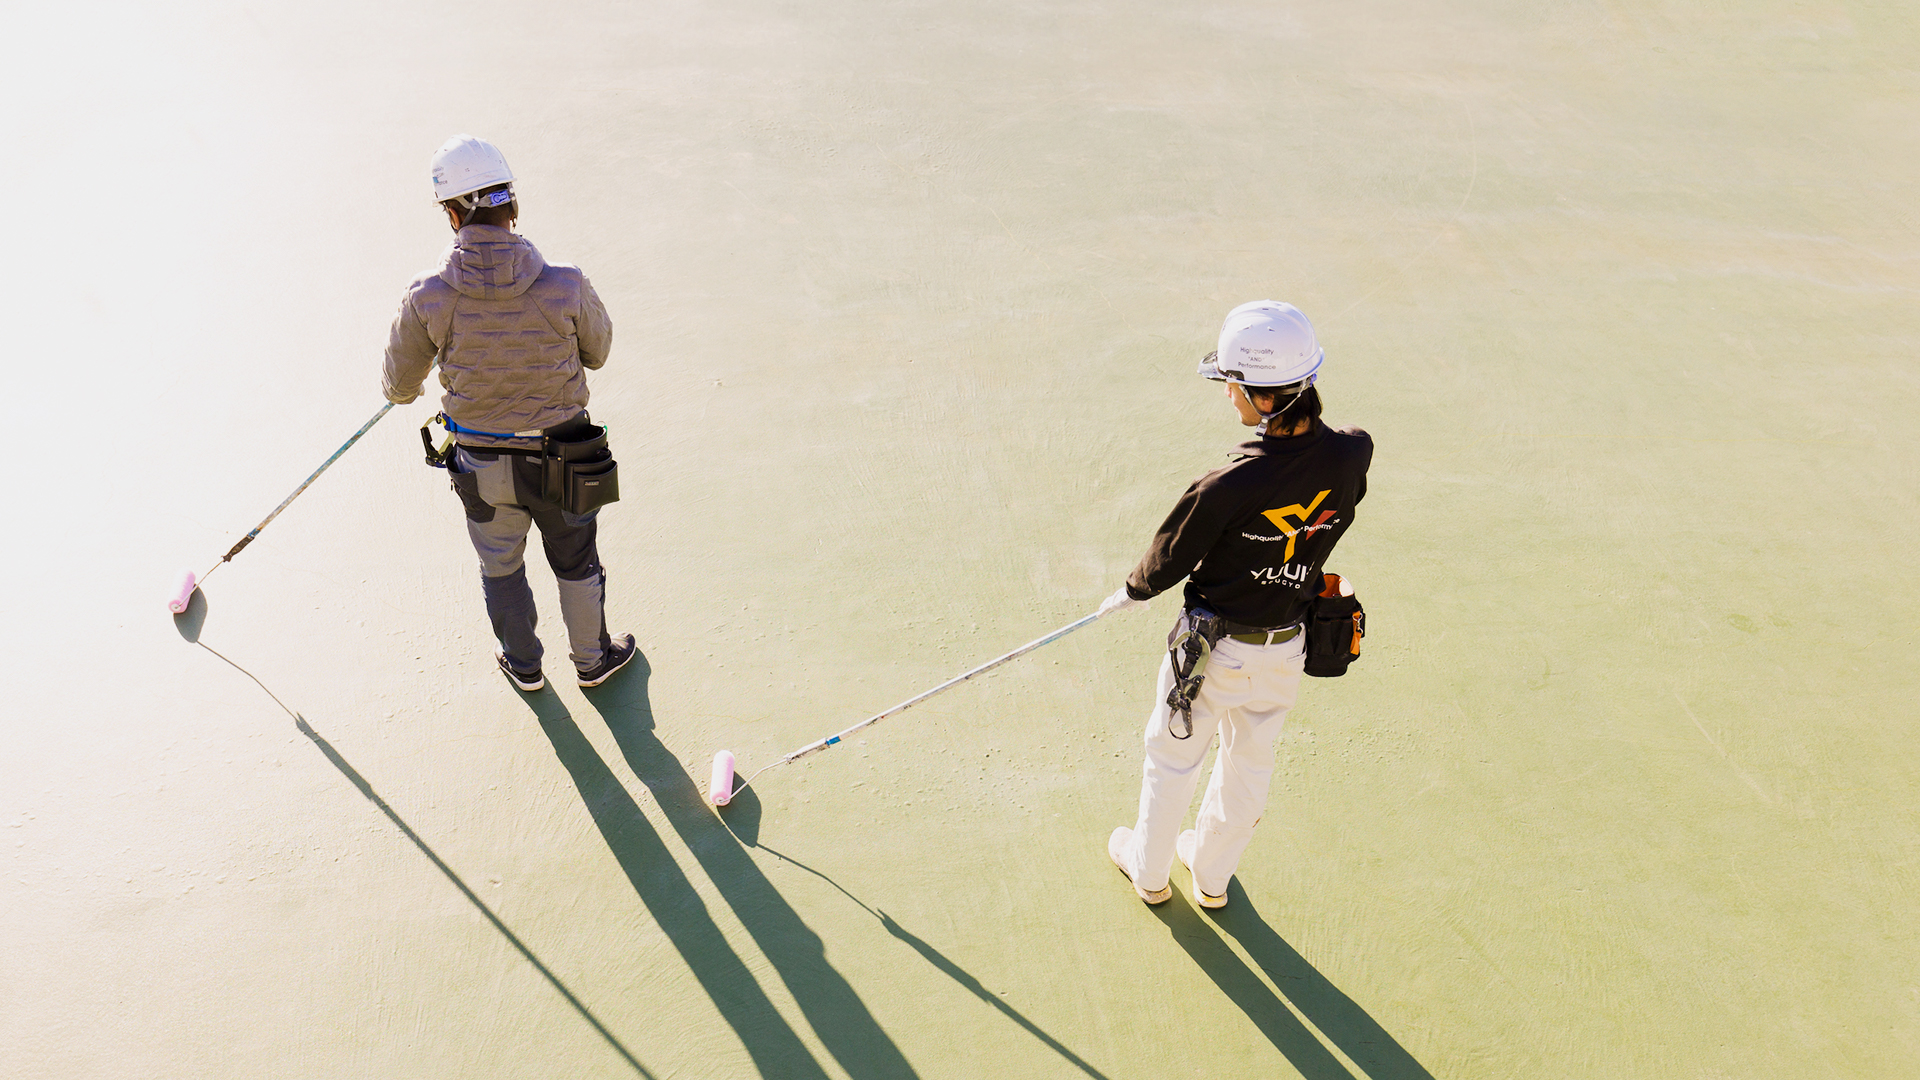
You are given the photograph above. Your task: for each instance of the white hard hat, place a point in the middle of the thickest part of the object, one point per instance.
(465, 164)
(1265, 343)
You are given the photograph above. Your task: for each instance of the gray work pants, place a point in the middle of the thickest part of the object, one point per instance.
(501, 493)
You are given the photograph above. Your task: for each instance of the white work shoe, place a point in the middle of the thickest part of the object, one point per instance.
(1183, 847)
(1116, 844)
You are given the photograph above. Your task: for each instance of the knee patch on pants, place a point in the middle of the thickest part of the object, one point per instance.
(572, 551)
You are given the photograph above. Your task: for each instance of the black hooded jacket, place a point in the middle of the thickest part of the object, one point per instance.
(1252, 537)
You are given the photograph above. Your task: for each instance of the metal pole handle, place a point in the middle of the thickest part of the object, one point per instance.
(248, 539)
(949, 684)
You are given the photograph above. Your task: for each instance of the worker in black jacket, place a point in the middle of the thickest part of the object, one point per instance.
(1250, 539)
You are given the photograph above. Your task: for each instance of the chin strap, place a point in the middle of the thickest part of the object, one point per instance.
(1266, 418)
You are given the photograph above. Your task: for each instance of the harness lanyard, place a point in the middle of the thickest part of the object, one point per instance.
(438, 457)
(1186, 683)
(1188, 649)
(447, 422)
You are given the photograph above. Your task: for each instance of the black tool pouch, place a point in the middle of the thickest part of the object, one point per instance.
(579, 474)
(1189, 644)
(1335, 624)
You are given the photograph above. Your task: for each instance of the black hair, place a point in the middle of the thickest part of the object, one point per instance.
(502, 215)
(1302, 406)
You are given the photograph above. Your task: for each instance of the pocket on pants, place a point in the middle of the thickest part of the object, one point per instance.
(467, 486)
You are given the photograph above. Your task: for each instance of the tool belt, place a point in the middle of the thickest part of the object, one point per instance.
(577, 470)
(1260, 635)
(1335, 624)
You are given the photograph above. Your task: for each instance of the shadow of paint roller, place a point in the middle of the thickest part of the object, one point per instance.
(720, 788)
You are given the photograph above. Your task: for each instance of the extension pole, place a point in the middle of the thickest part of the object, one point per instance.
(179, 602)
(721, 797)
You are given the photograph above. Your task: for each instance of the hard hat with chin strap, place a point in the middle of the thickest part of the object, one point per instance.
(464, 165)
(1265, 343)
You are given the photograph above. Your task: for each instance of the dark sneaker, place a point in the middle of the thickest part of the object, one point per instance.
(622, 651)
(525, 680)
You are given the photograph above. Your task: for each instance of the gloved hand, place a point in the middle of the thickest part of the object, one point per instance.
(1120, 601)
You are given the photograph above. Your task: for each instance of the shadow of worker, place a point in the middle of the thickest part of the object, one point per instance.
(838, 1017)
(1339, 1019)
(776, 1050)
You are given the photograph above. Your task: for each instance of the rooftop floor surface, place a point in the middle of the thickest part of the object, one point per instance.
(907, 301)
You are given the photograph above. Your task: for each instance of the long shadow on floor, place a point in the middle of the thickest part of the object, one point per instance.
(1344, 1023)
(353, 776)
(670, 898)
(1339, 1018)
(837, 1015)
(189, 624)
(745, 826)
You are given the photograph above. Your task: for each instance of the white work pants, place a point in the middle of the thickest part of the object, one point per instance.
(1245, 698)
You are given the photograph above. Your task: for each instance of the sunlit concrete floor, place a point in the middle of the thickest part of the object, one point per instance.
(907, 301)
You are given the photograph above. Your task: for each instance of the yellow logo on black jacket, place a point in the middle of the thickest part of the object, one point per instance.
(1280, 517)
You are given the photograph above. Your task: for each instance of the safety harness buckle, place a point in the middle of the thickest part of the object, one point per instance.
(1189, 645)
(436, 457)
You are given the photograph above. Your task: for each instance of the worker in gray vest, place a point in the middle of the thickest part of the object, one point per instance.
(1250, 540)
(514, 336)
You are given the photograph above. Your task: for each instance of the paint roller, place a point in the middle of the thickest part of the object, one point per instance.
(183, 595)
(720, 789)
